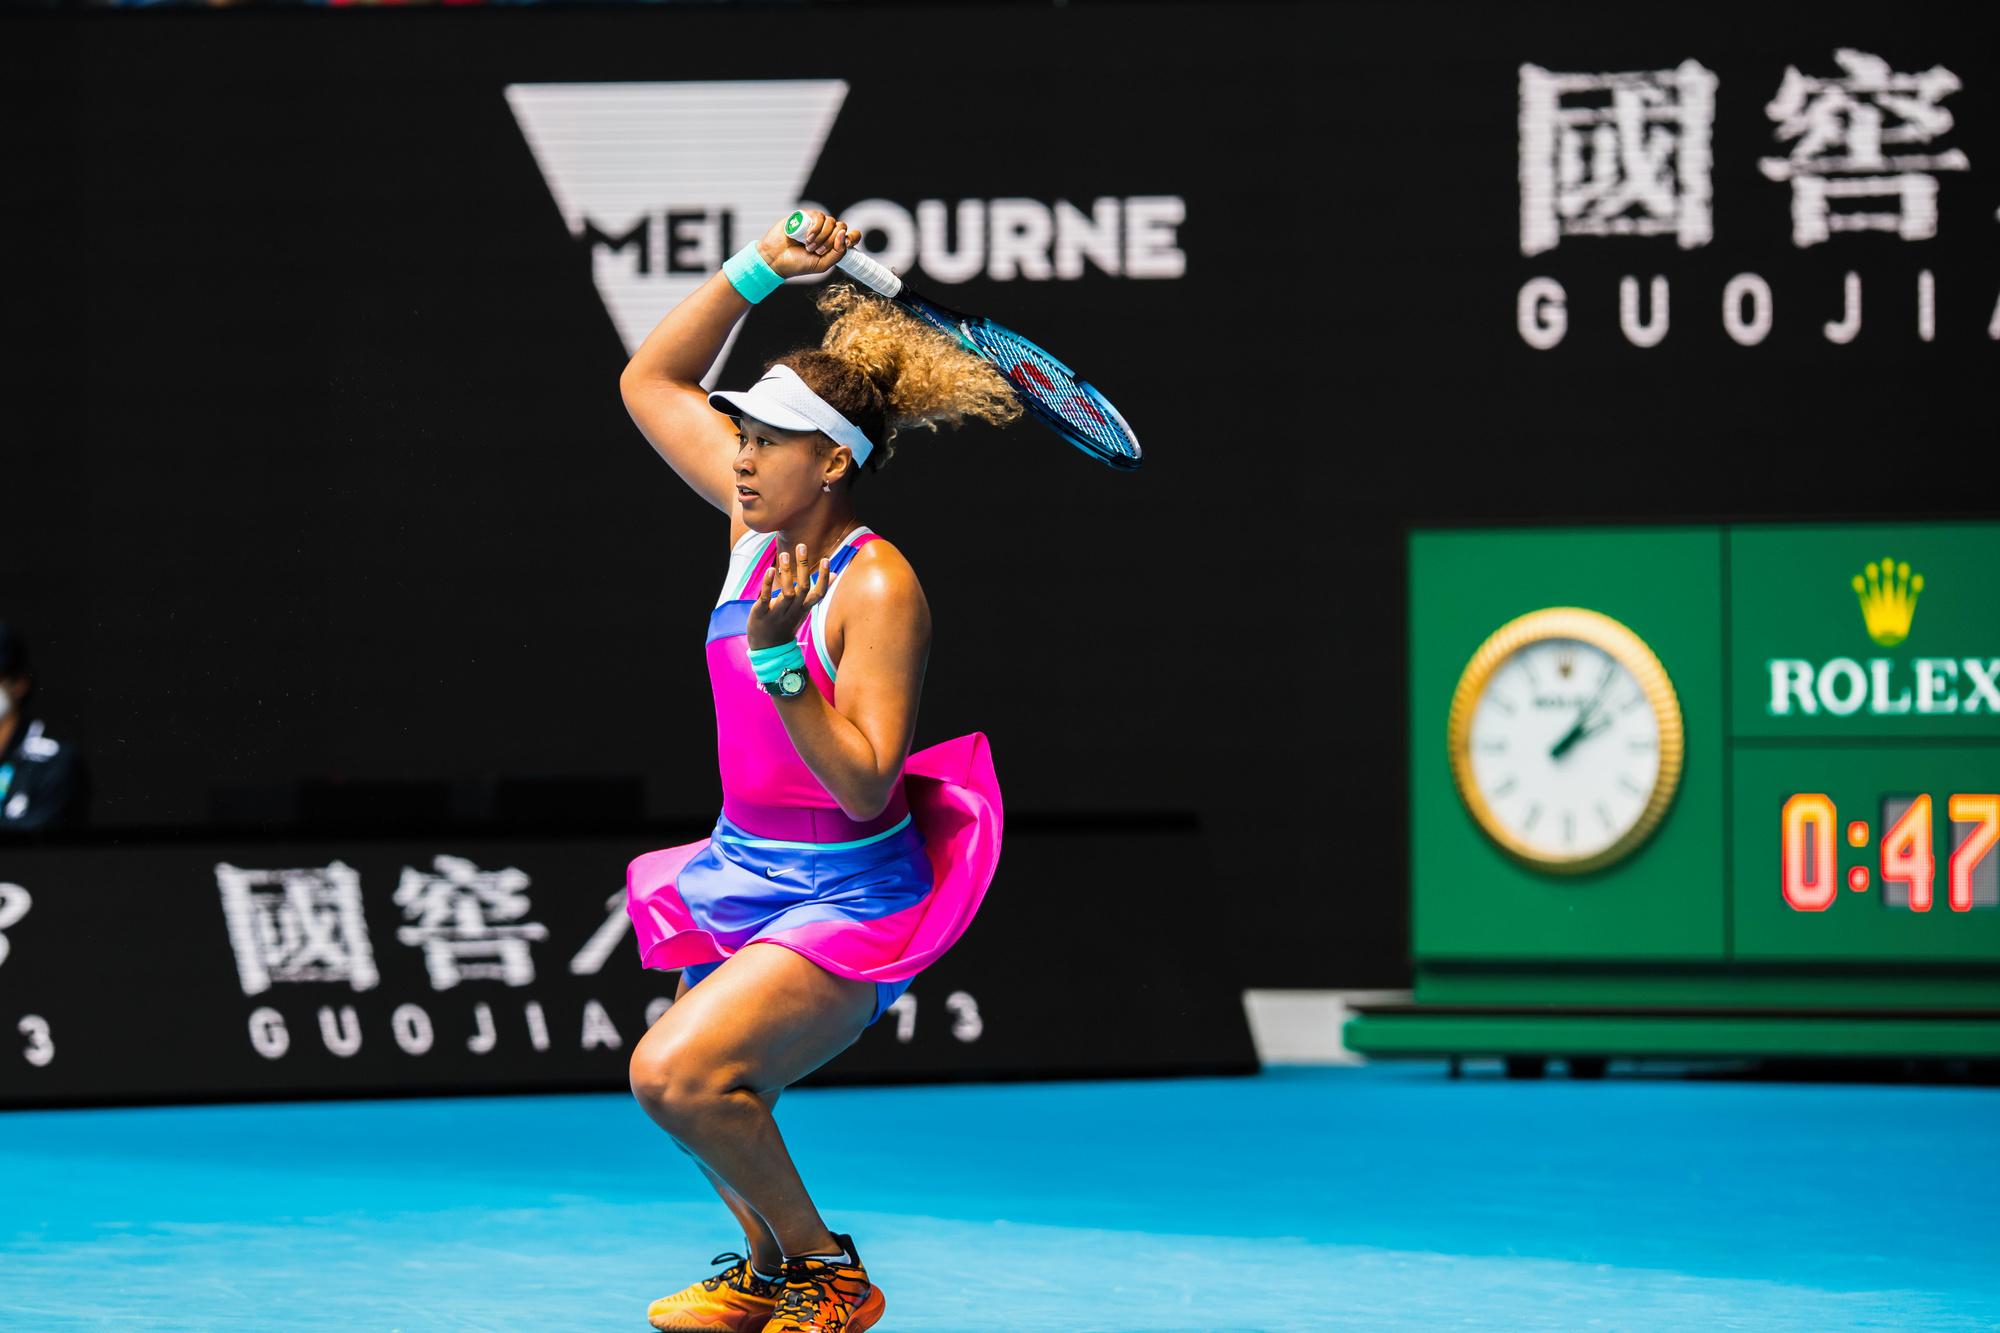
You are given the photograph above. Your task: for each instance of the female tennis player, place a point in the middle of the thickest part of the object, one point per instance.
(842, 864)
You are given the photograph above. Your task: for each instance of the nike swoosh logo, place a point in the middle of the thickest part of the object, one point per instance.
(775, 871)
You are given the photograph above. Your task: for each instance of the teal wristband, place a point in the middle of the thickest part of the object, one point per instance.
(752, 278)
(771, 663)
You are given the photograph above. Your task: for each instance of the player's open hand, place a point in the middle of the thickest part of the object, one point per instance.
(814, 248)
(789, 591)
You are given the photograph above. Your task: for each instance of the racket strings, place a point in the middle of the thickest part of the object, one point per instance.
(1048, 382)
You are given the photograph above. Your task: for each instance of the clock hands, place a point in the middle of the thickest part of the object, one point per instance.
(1569, 738)
(1585, 716)
(1597, 724)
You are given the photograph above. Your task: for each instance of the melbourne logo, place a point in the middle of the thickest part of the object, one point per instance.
(1885, 686)
(1888, 593)
(663, 181)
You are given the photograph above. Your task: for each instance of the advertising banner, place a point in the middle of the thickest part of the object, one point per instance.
(197, 970)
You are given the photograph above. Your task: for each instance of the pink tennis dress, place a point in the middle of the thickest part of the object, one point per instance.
(876, 900)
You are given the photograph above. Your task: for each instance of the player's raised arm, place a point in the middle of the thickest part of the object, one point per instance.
(662, 383)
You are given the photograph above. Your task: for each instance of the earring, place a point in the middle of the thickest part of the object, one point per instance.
(827, 487)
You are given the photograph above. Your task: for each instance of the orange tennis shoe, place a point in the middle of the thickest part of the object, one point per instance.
(827, 1295)
(735, 1300)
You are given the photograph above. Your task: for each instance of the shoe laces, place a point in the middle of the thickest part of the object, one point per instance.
(811, 1284)
(738, 1276)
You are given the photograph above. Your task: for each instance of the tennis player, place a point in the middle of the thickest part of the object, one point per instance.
(842, 864)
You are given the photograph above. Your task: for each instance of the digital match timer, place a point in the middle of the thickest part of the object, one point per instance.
(1810, 878)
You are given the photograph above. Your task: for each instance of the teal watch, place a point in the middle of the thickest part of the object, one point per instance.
(790, 684)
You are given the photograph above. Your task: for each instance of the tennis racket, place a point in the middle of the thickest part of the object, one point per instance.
(1051, 392)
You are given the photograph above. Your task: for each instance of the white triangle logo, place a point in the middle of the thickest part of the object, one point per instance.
(664, 178)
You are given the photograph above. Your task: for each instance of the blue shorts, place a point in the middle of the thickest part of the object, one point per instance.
(886, 992)
(742, 888)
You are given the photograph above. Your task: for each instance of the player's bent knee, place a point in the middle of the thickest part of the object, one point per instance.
(676, 1086)
(656, 1073)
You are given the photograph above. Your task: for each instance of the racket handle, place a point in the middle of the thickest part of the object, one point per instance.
(855, 264)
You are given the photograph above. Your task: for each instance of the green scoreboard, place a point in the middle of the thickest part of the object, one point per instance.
(1703, 791)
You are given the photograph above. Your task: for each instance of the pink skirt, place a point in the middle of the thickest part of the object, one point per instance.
(848, 929)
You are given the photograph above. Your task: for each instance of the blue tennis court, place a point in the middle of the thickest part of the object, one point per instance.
(1375, 1197)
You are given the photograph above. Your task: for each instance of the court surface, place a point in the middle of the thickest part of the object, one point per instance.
(1380, 1197)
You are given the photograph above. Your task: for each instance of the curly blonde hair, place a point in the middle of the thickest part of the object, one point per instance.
(887, 371)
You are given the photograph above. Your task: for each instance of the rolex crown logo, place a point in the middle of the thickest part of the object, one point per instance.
(1888, 593)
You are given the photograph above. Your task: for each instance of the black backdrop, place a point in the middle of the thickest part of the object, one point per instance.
(323, 511)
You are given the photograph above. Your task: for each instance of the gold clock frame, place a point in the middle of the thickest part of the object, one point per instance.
(1629, 651)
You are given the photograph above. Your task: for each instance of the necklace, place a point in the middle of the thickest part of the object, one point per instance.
(838, 542)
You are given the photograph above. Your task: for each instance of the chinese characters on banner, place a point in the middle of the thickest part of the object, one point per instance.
(14, 905)
(469, 922)
(1844, 134)
(1631, 154)
(39, 1047)
(307, 924)
(1615, 154)
(296, 925)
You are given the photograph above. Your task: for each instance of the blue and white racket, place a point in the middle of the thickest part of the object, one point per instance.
(1051, 392)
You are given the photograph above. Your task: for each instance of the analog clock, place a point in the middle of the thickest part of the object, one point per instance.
(1565, 738)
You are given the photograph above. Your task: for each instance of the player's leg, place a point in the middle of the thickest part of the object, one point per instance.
(742, 1296)
(764, 1019)
(760, 1022)
(764, 1251)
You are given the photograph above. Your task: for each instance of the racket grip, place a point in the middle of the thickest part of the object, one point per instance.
(869, 273)
(855, 264)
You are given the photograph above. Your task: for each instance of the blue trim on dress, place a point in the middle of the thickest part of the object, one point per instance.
(729, 620)
(782, 844)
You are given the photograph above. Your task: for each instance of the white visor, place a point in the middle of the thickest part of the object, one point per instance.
(782, 399)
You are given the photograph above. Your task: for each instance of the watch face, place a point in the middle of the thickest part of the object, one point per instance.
(792, 681)
(1566, 739)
